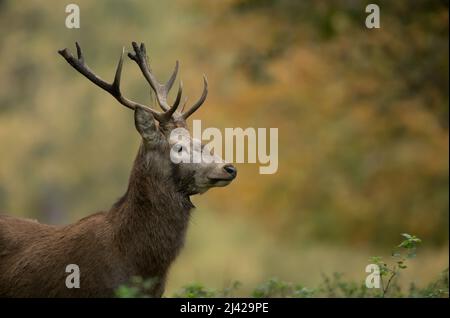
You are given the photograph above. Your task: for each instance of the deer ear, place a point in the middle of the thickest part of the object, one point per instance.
(145, 124)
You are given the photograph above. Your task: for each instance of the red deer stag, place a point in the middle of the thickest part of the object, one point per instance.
(142, 233)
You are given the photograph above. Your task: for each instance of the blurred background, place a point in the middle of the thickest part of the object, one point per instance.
(362, 117)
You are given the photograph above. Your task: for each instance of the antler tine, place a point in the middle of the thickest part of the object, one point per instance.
(184, 104)
(200, 101)
(79, 52)
(180, 92)
(116, 83)
(140, 57)
(113, 88)
(168, 114)
(172, 78)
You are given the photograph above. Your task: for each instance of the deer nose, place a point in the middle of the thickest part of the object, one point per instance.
(231, 170)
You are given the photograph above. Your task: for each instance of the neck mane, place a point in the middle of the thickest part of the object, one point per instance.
(150, 220)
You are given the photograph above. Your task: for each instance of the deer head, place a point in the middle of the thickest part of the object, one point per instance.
(156, 127)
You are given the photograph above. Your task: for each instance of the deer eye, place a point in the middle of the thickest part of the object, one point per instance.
(178, 148)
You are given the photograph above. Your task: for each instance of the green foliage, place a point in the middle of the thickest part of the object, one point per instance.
(277, 288)
(195, 290)
(336, 286)
(331, 286)
(436, 289)
(409, 244)
(136, 288)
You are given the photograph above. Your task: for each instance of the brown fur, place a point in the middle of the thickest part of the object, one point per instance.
(140, 235)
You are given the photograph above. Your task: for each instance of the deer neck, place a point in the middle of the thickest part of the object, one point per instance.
(150, 220)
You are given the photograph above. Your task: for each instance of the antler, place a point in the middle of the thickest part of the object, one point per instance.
(140, 57)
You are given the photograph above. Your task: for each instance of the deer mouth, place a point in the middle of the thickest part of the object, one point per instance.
(221, 181)
(216, 182)
(228, 179)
